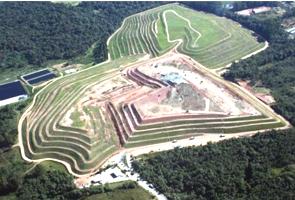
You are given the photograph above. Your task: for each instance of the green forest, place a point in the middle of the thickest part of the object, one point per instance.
(33, 33)
(8, 124)
(21, 180)
(260, 167)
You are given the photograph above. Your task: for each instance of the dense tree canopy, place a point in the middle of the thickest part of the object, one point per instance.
(261, 167)
(48, 185)
(8, 123)
(272, 68)
(34, 32)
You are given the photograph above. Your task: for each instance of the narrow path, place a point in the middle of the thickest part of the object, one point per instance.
(185, 19)
(266, 45)
(29, 170)
(15, 145)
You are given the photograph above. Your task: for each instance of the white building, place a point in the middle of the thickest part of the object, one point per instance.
(251, 11)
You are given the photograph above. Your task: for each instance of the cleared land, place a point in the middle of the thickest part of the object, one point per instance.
(212, 41)
(84, 118)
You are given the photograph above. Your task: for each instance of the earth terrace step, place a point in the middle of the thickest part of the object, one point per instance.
(144, 32)
(39, 144)
(80, 169)
(156, 81)
(140, 80)
(193, 120)
(150, 36)
(138, 124)
(118, 124)
(81, 163)
(202, 125)
(213, 130)
(85, 152)
(157, 141)
(63, 137)
(124, 117)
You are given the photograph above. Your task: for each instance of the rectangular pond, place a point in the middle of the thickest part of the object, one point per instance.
(12, 89)
(36, 74)
(42, 78)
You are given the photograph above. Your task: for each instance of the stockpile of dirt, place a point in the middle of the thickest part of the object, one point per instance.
(184, 96)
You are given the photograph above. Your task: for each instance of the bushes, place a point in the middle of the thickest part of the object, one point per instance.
(50, 185)
(248, 168)
(35, 32)
(8, 123)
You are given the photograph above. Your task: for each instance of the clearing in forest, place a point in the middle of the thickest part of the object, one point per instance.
(84, 118)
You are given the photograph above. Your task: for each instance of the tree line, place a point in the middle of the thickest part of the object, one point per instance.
(260, 167)
(35, 32)
(8, 124)
(272, 68)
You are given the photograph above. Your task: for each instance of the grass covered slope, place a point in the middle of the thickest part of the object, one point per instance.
(260, 167)
(43, 137)
(123, 193)
(83, 147)
(213, 41)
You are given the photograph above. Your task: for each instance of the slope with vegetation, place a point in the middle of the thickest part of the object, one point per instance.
(213, 41)
(43, 135)
(49, 180)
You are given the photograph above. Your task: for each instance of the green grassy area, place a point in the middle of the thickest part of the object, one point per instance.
(86, 58)
(277, 171)
(76, 117)
(69, 144)
(129, 194)
(11, 74)
(222, 41)
(161, 35)
(209, 26)
(123, 194)
(11, 196)
(52, 165)
(261, 90)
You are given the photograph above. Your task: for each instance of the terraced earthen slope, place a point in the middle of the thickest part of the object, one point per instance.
(212, 41)
(84, 118)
